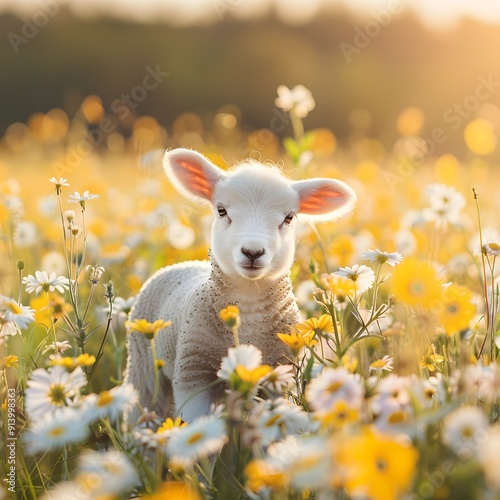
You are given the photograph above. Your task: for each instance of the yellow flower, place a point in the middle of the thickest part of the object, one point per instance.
(252, 376)
(376, 466)
(174, 490)
(340, 415)
(9, 362)
(230, 315)
(149, 330)
(313, 326)
(457, 310)
(46, 310)
(70, 363)
(348, 363)
(260, 474)
(159, 363)
(296, 341)
(415, 283)
(431, 359)
(343, 248)
(340, 286)
(170, 424)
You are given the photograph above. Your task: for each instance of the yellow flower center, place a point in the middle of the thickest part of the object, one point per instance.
(467, 432)
(334, 386)
(104, 399)
(14, 307)
(57, 431)
(56, 394)
(195, 437)
(397, 417)
(273, 420)
(381, 464)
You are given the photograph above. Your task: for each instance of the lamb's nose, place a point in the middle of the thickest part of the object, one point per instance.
(253, 254)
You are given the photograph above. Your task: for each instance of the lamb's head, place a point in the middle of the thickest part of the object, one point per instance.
(255, 207)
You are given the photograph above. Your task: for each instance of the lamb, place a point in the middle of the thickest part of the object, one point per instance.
(252, 250)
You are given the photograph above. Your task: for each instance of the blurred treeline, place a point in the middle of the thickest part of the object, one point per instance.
(242, 63)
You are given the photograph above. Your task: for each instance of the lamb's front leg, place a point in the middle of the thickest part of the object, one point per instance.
(193, 384)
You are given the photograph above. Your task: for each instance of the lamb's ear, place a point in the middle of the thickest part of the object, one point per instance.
(192, 174)
(322, 200)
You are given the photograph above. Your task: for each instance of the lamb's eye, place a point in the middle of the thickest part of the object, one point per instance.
(222, 211)
(288, 219)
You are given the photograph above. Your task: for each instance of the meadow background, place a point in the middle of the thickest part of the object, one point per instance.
(406, 112)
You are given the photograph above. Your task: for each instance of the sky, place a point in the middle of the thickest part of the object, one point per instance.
(438, 13)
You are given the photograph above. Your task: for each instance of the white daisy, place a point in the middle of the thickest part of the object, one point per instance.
(279, 379)
(274, 419)
(82, 198)
(331, 386)
(464, 430)
(245, 354)
(59, 183)
(41, 281)
(111, 472)
(25, 234)
(7, 328)
(55, 430)
(363, 276)
(49, 390)
(377, 255)
(10, 310)
(384, 364)
(204, 437)
(298, 100)
(69, 489)
(54, 262)
(443, 197)
(446, 204)
(312, 464)
(58, 347)
(109, 403)
(179, 235)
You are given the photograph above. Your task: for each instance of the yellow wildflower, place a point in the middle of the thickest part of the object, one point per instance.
(9, 362)
(340, 415)
(377, 466)
(339, 286)
(149, 330)
(313, 326)
(230, 315)
(415, 283)
(252, 376)
(70, 363)
(174, 490)
(431, 359)
(296, 341)
(458, 309)
(260, 474)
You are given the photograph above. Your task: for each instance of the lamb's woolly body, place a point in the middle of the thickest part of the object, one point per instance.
(252, 252)
(191, 295)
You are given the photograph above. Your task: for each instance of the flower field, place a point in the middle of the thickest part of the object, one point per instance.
(389, 386)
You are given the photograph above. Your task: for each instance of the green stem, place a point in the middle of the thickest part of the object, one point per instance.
(157, 374)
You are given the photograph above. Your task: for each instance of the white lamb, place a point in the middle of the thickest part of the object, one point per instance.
(252, 250)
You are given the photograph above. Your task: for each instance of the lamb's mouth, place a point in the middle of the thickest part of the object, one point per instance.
(251, 271)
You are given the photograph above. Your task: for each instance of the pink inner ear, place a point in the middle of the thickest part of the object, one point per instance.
(194, 176)
(320, 201)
